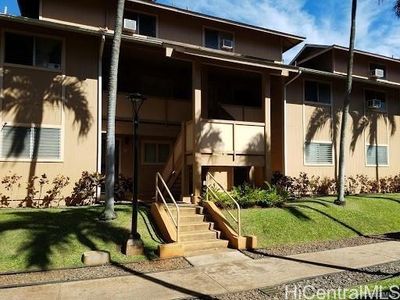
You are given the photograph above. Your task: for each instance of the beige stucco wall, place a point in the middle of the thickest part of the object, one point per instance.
(66, 99)
(326, 118)
(101, 14)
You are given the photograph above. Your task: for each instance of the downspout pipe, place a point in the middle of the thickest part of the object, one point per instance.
(285, 120)
(100, 109)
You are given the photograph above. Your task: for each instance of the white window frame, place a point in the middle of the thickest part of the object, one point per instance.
(315, 164)
(219, 38)
(45, 160)
(157, 143)
(377, 145)
(305, 101)
(33, 67)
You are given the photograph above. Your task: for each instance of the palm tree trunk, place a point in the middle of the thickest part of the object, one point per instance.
(345, 112)
(109, 213)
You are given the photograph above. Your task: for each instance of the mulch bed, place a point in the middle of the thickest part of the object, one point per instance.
(85, 273)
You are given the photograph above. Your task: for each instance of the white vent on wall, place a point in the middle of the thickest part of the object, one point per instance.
(130, 25)
(374, 104)
(377, 73)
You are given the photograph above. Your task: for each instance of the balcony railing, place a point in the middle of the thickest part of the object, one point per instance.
(222, 137)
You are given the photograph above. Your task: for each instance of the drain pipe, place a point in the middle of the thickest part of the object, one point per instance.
(100, 109)
(285, 121)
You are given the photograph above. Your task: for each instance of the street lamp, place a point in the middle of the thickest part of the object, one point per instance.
(134, 246)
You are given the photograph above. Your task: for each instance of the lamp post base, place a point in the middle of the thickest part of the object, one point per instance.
(134, 247)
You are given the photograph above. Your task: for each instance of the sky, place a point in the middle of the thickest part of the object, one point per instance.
(320, 21)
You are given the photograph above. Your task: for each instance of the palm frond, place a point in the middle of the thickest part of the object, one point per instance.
(397, 8)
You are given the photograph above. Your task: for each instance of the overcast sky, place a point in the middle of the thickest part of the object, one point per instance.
(320, 21)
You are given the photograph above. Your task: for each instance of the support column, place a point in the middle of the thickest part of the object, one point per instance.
(184, 175)
(196, 117)
(266, 102)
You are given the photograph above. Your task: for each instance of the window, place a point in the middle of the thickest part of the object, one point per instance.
(318, 153)
(31, 143)
(156, 153)
(33, 51)
(375, 100)
(215, 39)
(317, 92)
(377, 155)
(145, 24)
(373, 67)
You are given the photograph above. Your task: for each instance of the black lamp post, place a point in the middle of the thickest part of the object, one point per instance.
(137, 100)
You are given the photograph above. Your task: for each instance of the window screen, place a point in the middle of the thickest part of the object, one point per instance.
(211, 39)
(28, 143)
(33, 51)
(150, 153)
(377, 155)
(48, 53)
(49, 141)
(156, 153)
(146, 24)
(317, 92)
(318, 153)
(16, 142)
(18, 49)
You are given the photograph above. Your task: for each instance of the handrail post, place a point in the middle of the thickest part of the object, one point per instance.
(237, 220)
(159, 193)
(156, 188)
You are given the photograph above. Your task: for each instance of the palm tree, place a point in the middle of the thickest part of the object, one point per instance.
(345, 111)
(109, 213)
(397, 8)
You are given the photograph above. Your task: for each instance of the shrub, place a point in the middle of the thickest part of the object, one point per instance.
(84, 192)
(218, 197)
(31, 193)
(10, 182)
(248, 196)
(123, 188)
(59, 182)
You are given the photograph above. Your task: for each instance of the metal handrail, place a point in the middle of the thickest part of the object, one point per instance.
(176, 222)
(209, 189)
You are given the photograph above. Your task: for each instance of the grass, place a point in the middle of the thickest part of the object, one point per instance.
(33, 239)
(318, 219)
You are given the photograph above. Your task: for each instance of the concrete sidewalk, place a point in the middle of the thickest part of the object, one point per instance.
(214, 274)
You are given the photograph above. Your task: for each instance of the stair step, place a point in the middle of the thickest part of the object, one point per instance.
(186, 210)
(199, 236)
(196, 227)
(203, 245)
(191, 219)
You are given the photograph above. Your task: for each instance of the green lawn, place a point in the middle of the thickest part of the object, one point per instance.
(319, 219)
(56, 238)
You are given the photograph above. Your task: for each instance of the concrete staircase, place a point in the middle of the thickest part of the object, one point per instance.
(196, 234)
